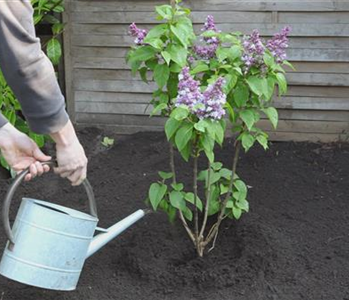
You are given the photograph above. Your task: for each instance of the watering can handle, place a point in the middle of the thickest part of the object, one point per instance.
(18, 180)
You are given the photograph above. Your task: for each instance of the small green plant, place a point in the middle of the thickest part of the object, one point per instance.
(44, 11)
(204, 82)
(107, 142)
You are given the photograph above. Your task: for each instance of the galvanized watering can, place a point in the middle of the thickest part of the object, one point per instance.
(49, 243)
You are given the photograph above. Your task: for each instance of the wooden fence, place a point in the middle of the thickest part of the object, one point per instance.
(101, 90)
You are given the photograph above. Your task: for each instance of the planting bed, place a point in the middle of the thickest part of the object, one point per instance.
(294, 243)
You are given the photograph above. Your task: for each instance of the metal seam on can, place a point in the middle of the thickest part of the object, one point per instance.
(39, 265)
(54, 231)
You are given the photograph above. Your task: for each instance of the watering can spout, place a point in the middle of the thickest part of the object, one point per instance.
(112, 232)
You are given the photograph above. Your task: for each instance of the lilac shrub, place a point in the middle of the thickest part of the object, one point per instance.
(203, 82)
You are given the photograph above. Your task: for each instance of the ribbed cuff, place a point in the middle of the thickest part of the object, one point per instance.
(3, 120)
(51, 124)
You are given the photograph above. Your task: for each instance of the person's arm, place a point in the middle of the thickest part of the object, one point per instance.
(31, 76)
(27, 69)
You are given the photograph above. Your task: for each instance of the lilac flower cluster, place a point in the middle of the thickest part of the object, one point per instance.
(204, 105)
(208, 51)
(278, 44)
(214, 100)
(253, 50)
(138, 33)
(188, 90)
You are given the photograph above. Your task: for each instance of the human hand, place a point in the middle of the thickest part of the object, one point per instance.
(71, 158)
(21, 152)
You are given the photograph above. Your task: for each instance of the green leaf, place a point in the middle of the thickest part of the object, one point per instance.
(219, 132)
(248, 117)
(172, 85)
(231, 80)
(236, 212)
(263, 141)
(225, 173)
(185, 153)
(177, 186)
(156, 194)
(51, 19)
(183, 135)
(143, 72)
(216, 166)
(166, 56)
(282, 82)
(258, 85)
(270, 89)
(143, 53)
(180, 113)
(230, 112)
(158, 108)
(181, 35)
(151, 63)
(107, 142)
(287, 63)
(268, 60)
(214, 204)
(188, 214)
(208, 144)
(222, 53)
(210, 128)
(243, 205)
(164, 11)
(241, 186)
(57, 28)
(200, 68)
(241, 94)
(234, 52)
(54, 51)
(156, 43)
(190, 198)
(165, 175)
(224, 189)
(247, 141)
(178, 54)
(164, 98)
(161, 75)
(156, 32)
(171, 127)
(177, 200)
(200, 126)
(175, 68)
(272, 114)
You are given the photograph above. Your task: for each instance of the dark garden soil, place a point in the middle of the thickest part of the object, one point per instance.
(294, 243)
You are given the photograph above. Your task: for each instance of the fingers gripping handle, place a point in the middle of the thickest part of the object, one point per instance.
(18, 180)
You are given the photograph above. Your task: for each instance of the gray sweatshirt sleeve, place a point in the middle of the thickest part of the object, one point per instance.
(27, 70)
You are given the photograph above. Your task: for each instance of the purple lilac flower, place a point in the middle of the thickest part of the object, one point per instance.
(278, 44)
(208, 51)
(214, 100)
(204, 105)
(253, 50)
(191, 59)
(188, 90)
(138, 33)
(209, 24)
